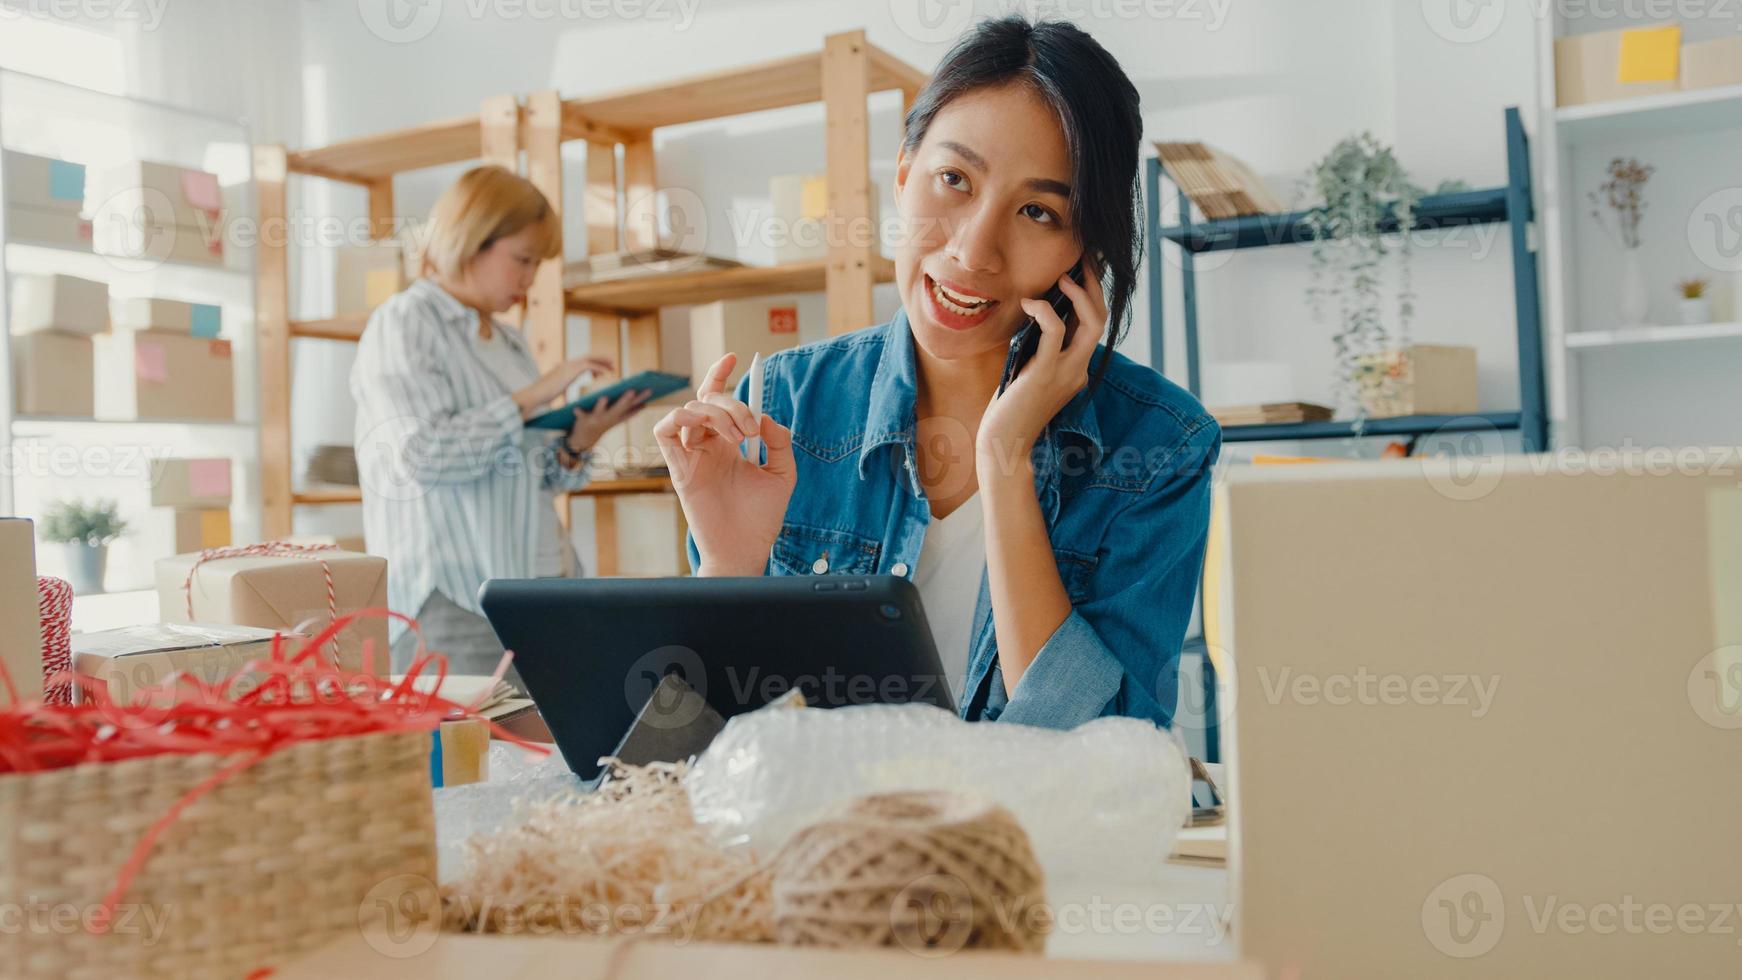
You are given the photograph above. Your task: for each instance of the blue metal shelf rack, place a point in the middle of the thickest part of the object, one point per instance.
(1511, 204)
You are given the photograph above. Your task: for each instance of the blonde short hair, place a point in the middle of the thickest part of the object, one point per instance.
(485, 205)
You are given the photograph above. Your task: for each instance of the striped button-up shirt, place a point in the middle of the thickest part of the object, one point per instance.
(451, 477)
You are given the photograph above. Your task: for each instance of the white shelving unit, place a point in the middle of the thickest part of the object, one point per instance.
(50, 458)
(1609, 383)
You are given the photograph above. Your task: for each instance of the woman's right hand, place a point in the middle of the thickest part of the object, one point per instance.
(534, 398)
(734, 505)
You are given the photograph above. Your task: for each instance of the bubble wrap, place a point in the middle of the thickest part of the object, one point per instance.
(1102, 802)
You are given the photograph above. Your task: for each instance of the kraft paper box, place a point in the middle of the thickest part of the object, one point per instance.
(122, 234)
(152, 374)
(459, 753)
(282, 594)
(163, 193)
(149, 313)
(365, 276)
(43, 183)
(46, 226)
(133, 657)
(801, 216)
(743, 326)
(20, 627)
(190, 483)
(167, 531)
(1588, 68)
(52, 374)
(63, 303)
(1423, 379)
(1709, 64)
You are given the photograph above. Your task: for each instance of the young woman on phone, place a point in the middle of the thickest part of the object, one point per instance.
(1055, 530)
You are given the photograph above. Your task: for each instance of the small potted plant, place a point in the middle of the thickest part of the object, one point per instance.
(1696, 304)
(84, 532)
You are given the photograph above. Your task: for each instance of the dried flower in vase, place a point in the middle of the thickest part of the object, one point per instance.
(1623, 193)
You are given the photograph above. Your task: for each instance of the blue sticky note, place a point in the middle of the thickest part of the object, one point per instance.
(66, 181)
(208, 320)
(435, 758)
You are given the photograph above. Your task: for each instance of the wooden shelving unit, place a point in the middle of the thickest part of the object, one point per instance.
(623, 315)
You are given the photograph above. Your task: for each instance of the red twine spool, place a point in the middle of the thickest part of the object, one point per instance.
(54, 599)
(293, 697)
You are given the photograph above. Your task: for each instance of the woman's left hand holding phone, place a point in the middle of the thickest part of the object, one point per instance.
(734, 505)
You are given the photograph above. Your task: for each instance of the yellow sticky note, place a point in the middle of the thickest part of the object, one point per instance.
(1651, 54)
(214, 529)
(814, 199)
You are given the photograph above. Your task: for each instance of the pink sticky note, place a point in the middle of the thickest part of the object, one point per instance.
(150, 361)
(201, 190)
(209, 477)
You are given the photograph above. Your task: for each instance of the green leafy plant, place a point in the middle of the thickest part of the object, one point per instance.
(94, 524)
(1692, 288)
(1360, 184)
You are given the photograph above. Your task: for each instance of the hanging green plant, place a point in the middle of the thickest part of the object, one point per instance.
(1361, 184)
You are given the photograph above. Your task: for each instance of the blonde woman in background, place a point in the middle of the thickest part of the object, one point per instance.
(456, 489)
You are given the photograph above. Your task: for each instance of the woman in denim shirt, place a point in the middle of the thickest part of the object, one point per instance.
(1056, 531)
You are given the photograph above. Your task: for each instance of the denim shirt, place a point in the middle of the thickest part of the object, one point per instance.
(1123, 478)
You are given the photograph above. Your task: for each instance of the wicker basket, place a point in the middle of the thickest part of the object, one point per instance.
(275, 860)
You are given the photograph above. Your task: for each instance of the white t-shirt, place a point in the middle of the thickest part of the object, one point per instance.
(952, 559)
(515, 374)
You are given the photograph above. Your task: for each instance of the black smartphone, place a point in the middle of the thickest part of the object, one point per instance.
(1027, 339)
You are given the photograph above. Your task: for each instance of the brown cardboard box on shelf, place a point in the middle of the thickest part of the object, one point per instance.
(20, 627)
(124, 235)
(152, 313)
(42, 183)
(365, 276)
(284, 593)
(1426, 379)
(153, 374)
(1587, 68)
(162, 193)
(132, 657)
(65, 304)
(1710, 64)
(26, 225)
(167, 531)
(53, 374)
(190, 482)
(760, 325)
(595, 958)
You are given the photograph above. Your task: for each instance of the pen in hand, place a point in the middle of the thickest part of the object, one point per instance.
(753, 445)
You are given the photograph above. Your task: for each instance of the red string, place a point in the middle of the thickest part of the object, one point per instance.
(268, 549)
(268, 705)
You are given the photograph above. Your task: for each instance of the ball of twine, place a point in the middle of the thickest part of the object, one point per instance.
(933, 872)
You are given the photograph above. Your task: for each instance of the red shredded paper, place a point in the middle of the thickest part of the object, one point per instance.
(288, 698)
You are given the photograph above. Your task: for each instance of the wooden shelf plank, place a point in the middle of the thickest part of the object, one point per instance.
(1671, 113)
(328, 495)
(643, 294)
(1404, 425)
(370, 158)
(335, 328)
(626, 485)
(795, 80)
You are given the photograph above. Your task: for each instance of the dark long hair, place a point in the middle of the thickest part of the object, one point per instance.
(1098, 108)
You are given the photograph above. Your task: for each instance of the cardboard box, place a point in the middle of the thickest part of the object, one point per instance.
(459, 753)
(150, 313)
(422, 953)
(20, 624)
(44, 226)
(161, 193)
(365, 276)
(123, 235)
(650, 536)
(190, 482)
(282, 594)
(1710, 64)
(132, 657)
(53, 374)
(1424, 379)
(760, 325)
(801, 214)
(43, 183)
(56, 302)
(167, 531)
(151, 374)
(1588, 69)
